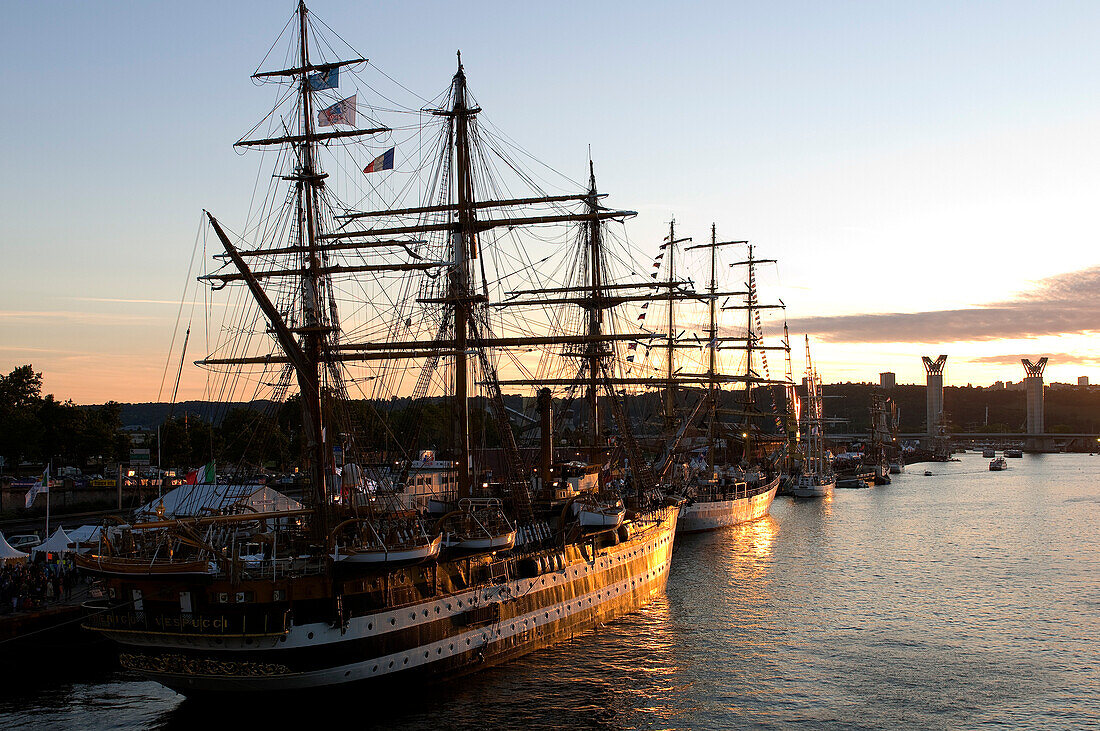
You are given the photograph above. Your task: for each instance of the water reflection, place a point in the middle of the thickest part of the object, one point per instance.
(755, 539)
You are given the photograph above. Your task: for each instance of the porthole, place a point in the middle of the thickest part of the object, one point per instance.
(391, 663)
(309, 636)
(467, 641)
(393, 620)
(347, 673)
(370, 625)
(374, 669)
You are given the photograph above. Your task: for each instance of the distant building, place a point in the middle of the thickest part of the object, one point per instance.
(998, 385)
(1082, 380)
(886, 380)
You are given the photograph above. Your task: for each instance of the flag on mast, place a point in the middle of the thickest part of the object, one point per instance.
(202, 476)
(342, 112)
(329, 79)
(42, 485)
(382, 162)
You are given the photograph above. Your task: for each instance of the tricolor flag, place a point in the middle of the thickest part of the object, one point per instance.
(325, 79)
(42, 485)
(202, 476)
(382, 162)
(342, 112)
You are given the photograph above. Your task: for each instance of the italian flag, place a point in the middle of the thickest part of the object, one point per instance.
(202, 476)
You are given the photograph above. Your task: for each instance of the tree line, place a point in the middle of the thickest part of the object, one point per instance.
(36, 428)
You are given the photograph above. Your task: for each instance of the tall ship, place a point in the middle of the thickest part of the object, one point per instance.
(401, 561)
(728, 469)
(815, 476)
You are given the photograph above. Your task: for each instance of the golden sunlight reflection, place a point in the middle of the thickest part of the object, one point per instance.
(754, 540)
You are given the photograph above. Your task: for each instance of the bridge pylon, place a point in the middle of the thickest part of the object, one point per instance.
(1033, 386)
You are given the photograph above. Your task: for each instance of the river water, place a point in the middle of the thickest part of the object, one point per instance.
(961, 600)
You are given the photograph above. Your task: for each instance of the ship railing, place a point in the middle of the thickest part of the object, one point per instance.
(238, 625)
(279, 568)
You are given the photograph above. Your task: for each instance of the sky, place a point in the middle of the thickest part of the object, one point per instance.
(926, 173)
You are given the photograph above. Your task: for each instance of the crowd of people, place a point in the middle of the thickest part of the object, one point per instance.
(25, 586)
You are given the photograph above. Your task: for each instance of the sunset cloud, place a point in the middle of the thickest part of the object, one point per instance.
(1063, 304)
(1055, 358)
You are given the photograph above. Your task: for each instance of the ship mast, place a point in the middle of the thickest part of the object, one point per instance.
(712, 361)
(750, 337)
(713, 340)
(308, 190)
(304, 347)
(752, 309)
(791, 425)
(595, 346)
(670, 335)
(464, 247)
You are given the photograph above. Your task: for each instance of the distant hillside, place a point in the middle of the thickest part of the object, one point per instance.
(1071, 409)
(149, 415)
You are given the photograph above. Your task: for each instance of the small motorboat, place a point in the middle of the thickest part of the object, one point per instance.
(998, 464)
(928, 473)
(853, 481)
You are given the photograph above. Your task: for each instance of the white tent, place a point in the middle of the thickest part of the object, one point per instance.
(192, 500)
(9, 554)
(59, 542)
(85, 534)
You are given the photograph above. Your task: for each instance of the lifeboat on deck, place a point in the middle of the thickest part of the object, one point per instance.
(407, 553)
(600, 515)
(398, 539)
(478, 525)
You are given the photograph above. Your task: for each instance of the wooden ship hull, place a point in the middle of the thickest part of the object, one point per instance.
(704, 515)
(432, 620)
